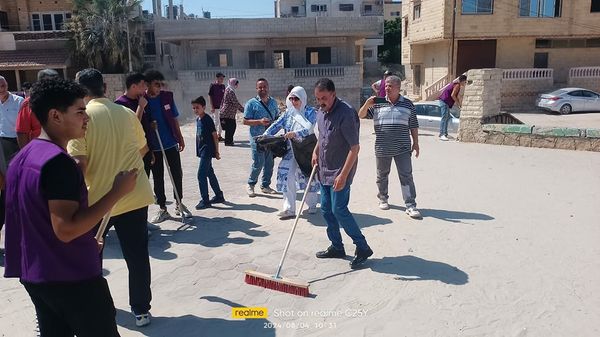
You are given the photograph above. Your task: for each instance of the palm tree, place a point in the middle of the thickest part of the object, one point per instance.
(98, 34)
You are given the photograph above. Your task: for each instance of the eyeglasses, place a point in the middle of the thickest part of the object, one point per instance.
(293, 98)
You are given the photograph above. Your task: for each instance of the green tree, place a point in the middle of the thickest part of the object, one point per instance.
(99, 35)
(390, 53)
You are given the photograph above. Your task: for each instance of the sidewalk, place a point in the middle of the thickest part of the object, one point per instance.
(508, 246)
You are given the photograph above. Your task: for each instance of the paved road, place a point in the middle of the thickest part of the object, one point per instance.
(575, 120)
(508, 246)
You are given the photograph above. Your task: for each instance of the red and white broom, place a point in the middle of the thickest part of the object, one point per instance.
(276, 282)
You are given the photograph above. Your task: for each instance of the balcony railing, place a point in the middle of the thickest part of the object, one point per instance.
(319, 72)
(209, 75)
(48, 35)
(527, 74)
(584, 72)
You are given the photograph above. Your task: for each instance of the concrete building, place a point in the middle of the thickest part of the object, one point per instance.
(283, 50)
(341, 9)
(439, 42)
(26, 27)
(392, 10)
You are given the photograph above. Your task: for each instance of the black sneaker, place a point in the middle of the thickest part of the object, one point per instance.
(331, 253)
(360, 256)
(217, 200)
(202, 205)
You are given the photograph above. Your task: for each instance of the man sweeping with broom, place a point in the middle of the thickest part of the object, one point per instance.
(336, 154)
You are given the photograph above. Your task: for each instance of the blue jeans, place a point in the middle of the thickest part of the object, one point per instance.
(334, 206)
(261, 161)
(206, 175)
(445, 119)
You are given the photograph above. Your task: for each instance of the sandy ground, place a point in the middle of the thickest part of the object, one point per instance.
(508, 246)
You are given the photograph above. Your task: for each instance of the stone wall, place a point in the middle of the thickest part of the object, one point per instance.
(543, 137)
(115, 85)
(520, 95)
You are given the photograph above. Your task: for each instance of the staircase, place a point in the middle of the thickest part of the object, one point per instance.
(433, 91)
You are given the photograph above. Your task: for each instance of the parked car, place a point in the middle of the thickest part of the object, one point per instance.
(567, 100)
(429, 114)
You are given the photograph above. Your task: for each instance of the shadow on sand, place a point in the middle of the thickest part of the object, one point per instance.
(412, 268)
(192, 326)
(213, 232)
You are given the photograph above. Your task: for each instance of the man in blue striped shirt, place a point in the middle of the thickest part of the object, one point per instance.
(395, 122)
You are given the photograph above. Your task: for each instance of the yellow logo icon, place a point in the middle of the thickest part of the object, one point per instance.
(250, 313)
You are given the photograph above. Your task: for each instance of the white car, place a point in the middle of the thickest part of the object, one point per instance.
(429, 114)
(567, 100)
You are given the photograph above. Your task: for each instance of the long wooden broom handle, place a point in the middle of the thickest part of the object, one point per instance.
(287, 245)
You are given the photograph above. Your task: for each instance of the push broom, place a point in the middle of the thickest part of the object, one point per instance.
(276, 282)
(102, 228)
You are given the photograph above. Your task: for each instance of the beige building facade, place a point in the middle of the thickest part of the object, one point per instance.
(285, 51)
(439, 43)
(32, 37)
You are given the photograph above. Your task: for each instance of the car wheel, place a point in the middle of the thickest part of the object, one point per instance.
(565, 109)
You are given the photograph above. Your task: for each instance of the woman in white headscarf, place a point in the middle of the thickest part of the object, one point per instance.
(297, 122)
(229, 108)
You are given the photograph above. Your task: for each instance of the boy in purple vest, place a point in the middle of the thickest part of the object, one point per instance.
(50, 229)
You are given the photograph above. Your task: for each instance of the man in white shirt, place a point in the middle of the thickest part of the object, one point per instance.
(9, 109)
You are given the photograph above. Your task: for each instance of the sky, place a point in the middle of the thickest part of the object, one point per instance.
(222, 8)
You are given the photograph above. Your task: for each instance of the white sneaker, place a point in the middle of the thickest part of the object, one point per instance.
(250, 191)
(268, 190)
(384, 205)
(286, 214)
(444, 138)
(160, 216)
(179, 209)
(142, 320)
(413, 212)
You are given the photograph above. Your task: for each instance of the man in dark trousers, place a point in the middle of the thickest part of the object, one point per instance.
(162, 113)
(336, 154)
(216, 92)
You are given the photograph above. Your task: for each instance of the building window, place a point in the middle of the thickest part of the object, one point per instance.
(405, 26)
(567, 43)
(149, 43)
(397, 13)
(256, 59)
(295, 10)
(219, 58)
(416, 11)
(3, 20)
(318, 8)
(540, 8)
(595, 6)
(368, 8)
(540, 60)
(281, 59)
(49, 21)
(318, 55)
(477, 6)
(367, 53)
(346, 7)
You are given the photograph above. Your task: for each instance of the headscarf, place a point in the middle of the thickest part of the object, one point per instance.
(231, 83)
(298, 115)
(301, 94)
